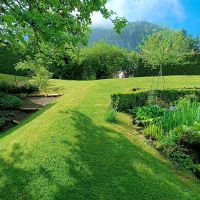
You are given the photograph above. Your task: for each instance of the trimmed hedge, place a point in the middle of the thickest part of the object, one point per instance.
(124, 102)
(191, 66)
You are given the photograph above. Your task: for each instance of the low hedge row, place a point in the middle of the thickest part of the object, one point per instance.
(191, 66)
(124, 102)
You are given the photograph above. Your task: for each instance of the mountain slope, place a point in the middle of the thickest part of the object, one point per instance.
(130, 37)
(68, 151)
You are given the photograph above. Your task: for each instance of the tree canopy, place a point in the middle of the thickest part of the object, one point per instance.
(55, 21)
(103, 60)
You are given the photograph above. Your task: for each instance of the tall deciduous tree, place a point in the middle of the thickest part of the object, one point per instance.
(165, 47)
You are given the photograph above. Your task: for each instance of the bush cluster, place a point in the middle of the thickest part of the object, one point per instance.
(20, 88)
(9, 101)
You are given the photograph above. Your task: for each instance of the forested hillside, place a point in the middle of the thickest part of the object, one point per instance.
(130, 36)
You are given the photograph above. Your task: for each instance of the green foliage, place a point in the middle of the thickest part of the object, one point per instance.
(153, 131)
(191, 136)
(41, 77)
(8, 58)
(7, 87)
(149, 114)
(190, 67)
(39, 73)
(111, 115)
(53, 21)
(9, 102)
(175, 127)
(185, 113)
(181, 159)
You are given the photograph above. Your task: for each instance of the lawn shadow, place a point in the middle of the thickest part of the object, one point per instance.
(101, 164)
(107, 165)
(13, 179)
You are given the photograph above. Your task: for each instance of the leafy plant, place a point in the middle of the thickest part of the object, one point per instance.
(149, 114)
(9, 101)
(186, 113)
(20, 88)
(39, 73)
(182, 159)
(111, 115)
(153, 131)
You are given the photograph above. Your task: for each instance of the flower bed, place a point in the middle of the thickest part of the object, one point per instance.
(170, 120)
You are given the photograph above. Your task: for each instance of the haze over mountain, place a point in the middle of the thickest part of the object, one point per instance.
(130, 36)
(175, 14)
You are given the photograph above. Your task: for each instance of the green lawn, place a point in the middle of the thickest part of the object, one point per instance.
(11, 78)
(68, 151)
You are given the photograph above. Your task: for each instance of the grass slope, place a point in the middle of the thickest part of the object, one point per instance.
(68, 151)
(11, 78)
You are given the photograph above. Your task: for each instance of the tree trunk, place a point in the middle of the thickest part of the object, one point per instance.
(15, 80)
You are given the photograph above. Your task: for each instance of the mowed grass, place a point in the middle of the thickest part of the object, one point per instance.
(11, 78)
(69, 151)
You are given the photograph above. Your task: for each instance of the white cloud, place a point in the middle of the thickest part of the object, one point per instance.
(148, 10)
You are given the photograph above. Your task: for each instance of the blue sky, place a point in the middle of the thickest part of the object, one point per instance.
(172, 13)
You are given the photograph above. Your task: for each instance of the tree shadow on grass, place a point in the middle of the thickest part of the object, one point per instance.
(106, 165)
(13, 179)
(100, 163)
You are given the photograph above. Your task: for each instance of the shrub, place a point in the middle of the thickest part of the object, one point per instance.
(20, 88)
(154, 99)
(111, 115)
(182, 159)
(26, 88)
(41, 77)
(173, 137)
(9, 102)
(149, 114)
(38, 71)
(153, 132)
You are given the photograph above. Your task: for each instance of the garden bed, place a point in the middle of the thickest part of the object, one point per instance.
(13, 116)
(170, 120)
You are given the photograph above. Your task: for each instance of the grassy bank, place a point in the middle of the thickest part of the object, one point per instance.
(68, 151)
